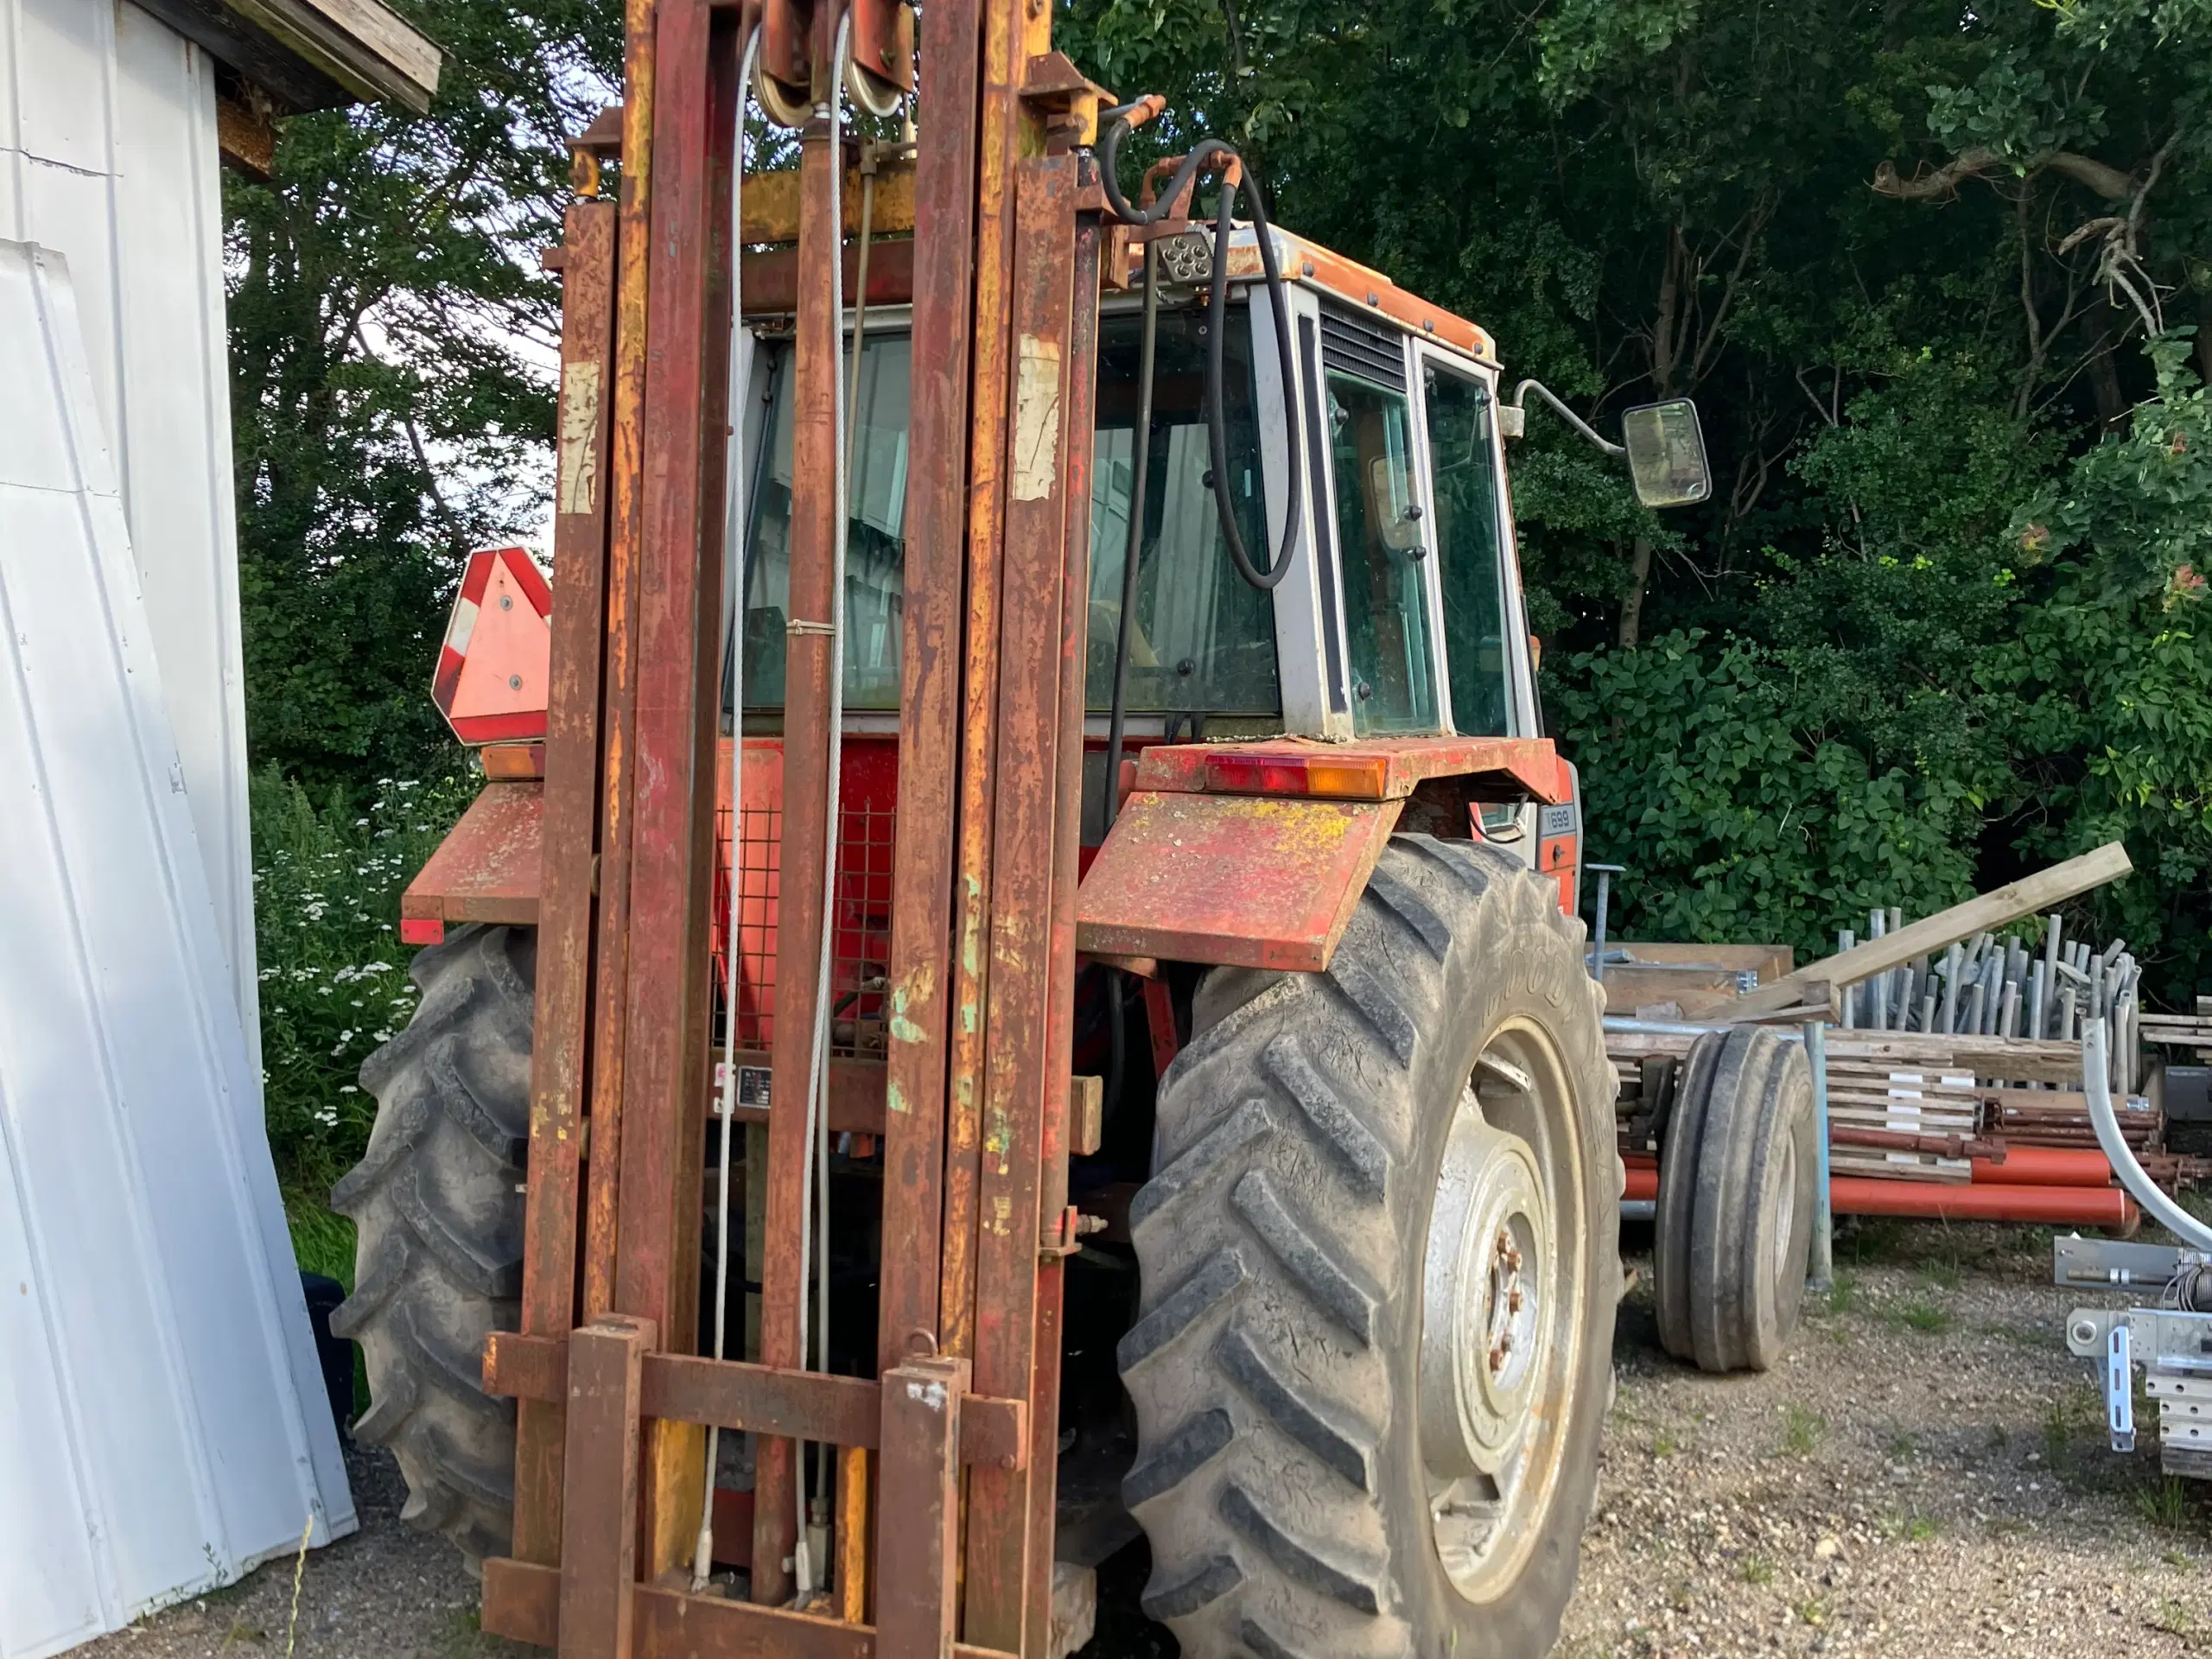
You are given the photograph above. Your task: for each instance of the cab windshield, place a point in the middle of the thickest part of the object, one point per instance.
(1201, 640)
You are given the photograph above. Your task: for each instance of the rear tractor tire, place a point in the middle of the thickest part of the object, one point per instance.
(1379, 1265)
(437, 1203)
(1736, 1197)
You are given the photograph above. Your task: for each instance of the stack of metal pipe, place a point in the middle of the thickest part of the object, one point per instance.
(2004, 985)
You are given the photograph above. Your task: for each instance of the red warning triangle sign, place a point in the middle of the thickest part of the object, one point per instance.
(493, 675)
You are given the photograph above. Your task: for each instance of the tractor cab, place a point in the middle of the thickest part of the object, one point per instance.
(1402, 613)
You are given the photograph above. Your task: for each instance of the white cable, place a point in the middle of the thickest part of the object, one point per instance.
(817, 1138)
(734, 529)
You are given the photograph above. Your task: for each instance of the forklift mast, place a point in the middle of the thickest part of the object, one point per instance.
(954, 1445)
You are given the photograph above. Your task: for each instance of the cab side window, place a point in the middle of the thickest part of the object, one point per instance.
(1470, 549)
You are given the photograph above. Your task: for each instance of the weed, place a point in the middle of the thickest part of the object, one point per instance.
(1843, 1294)
(2173, 1617)
(1813, 1609)
(1756, 1569)
(2176, 1558)
(2072, 1415)
(1802, 1430)
(1901, 1445)
(1664, 1445)
(1924, 1317)
(1944, 1272)
(1912, 1528)
(2165, 1504)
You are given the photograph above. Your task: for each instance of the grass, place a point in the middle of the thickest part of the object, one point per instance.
(1843, 1294)
(1664, 1445)
(1923, 1316)
(2074, 1414)
(1902, 1443)
(2173, 1617)
(1755, 1569)
(1802, 1430)
(1813, 1609)
(2166, 1504)
(1912, 1528)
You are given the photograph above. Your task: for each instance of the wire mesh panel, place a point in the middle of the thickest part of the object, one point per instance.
(861, 917)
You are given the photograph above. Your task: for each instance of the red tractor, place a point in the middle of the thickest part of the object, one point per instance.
(1264, 1194)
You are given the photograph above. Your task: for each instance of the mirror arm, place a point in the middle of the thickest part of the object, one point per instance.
(1517, 422)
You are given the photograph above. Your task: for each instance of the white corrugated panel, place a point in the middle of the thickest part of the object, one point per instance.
(108, 154)
(162, 1421)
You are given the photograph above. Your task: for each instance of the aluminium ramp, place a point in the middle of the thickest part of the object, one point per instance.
(161, 1420)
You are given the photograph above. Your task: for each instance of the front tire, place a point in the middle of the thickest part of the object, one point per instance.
(1374, 1348)
(437, 1203)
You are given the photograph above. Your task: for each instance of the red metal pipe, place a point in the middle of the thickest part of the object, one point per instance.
(1642, 1185)
(2044, 1167)
(1860, 1195)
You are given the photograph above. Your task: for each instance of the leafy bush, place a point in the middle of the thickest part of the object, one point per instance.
(334, 975)
(1707, 774)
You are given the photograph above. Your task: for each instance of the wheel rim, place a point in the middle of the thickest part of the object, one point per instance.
(1501, 1315)
(1785, 1209)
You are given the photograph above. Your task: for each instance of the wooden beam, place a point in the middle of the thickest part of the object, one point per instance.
(1930, 934)
(360, 44)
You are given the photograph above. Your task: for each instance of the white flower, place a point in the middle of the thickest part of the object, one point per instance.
(347, 1089)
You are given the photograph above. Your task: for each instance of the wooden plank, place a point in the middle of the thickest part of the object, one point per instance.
(757, 1399)
(918, 1533)
(1931, 934)
(553, 1209)
(598, 1537)
(363, 45)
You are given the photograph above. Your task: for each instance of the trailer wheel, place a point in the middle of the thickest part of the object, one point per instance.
(1374, 1343)
(1735, 1209)
(438, 1205)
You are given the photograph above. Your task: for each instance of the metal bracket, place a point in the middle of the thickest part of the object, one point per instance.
(2120, 1389)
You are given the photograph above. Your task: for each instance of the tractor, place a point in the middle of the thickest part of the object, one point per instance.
(1015, 979)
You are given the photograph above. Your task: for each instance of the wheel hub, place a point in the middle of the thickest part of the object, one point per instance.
(1501, 1302)
(1486, 1315)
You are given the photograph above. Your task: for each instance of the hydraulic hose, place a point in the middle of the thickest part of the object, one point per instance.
(1118, 124)
(1140, 482)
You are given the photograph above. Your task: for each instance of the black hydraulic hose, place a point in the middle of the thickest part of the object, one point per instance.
(1217, 416)
(1117, 124)
(1139, 480)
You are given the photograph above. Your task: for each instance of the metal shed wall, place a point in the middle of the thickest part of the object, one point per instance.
(108, 153)
(163, 1424)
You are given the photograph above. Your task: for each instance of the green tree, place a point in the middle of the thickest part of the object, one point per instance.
(392, 345)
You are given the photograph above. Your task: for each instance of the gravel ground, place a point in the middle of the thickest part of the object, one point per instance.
(1925, 1475)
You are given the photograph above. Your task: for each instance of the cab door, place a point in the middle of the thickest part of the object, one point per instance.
(1488, 680)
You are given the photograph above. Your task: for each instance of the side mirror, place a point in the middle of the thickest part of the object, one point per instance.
(1666, 454)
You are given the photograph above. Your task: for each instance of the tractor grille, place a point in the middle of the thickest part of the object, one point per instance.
(1353, 343)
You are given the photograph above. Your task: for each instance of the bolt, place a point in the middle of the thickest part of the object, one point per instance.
(1513, 1300)
(1499, 1351)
